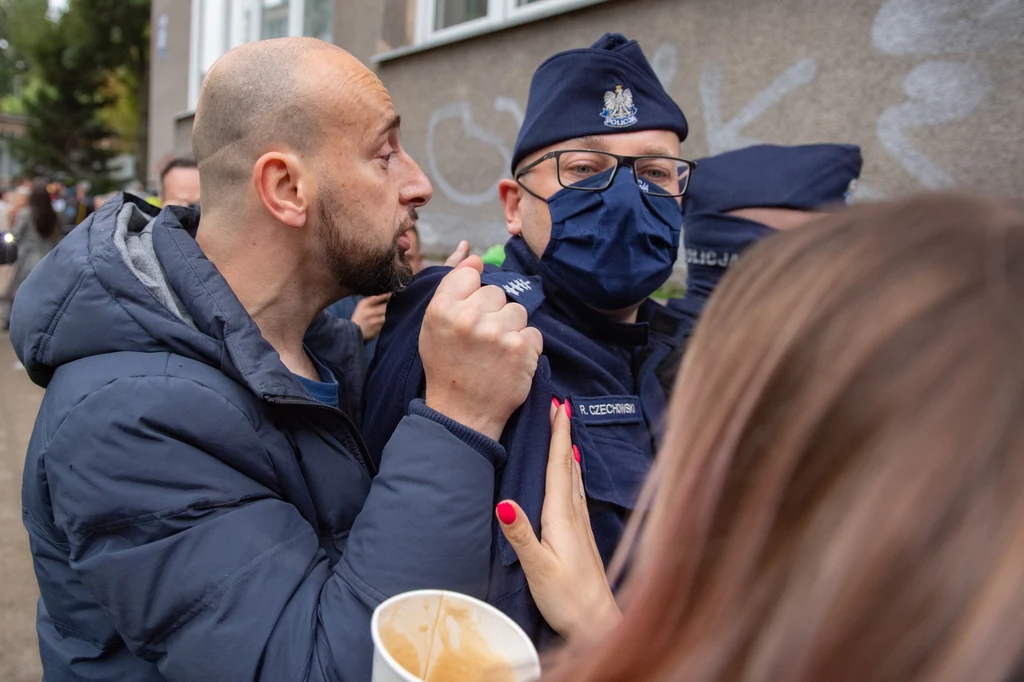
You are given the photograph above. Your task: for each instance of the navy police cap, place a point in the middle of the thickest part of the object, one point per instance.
(804, 177)
(606, 88)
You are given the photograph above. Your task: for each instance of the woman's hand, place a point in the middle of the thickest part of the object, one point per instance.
(563, 568)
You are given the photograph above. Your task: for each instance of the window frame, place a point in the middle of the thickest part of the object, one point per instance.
(500, 13)
(239, 29)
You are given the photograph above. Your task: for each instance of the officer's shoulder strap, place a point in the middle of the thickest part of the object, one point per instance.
(526, 291)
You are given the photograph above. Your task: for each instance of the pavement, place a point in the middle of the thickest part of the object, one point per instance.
(19, 402)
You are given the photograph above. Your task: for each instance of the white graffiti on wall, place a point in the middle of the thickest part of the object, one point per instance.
(940, 92)
(933, 27)
(463, 112)
(724, 136)
(665, 64)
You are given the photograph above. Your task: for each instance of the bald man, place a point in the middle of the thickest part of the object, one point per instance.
(199, 500)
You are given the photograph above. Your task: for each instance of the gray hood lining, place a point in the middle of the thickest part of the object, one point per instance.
(133, 237)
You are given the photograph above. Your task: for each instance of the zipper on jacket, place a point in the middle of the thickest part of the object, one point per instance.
(364, 452)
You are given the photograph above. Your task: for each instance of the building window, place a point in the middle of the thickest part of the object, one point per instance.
(452, 19)
(213, 33)
(318, 21)
(274, 19)
(219, 25)
(453, 12)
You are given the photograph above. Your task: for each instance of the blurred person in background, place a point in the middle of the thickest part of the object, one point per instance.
(19, 201)
(838, 496)
(86, 203)
(6, 195)
(741, 197)
(414, 256)
(8, 250)
(57, 198)
(36, 232)
(179, 183)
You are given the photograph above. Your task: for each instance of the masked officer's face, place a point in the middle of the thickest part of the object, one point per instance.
(368, 192)
(528, 216)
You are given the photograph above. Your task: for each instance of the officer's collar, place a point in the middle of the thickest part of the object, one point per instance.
(580, 316)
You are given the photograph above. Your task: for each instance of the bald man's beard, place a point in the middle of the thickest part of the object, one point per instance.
(359, 268)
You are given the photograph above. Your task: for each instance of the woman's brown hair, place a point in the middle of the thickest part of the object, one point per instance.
(841, 493)
(44, 218)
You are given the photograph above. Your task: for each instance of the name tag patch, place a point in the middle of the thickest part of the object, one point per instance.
(609, 409)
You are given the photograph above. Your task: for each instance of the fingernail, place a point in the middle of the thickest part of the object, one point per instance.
(506, 513)
(554, 401)
(568, 409)
(576, 453)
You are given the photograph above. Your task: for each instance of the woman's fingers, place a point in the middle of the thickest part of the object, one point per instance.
(519, 533)
(579, 496)
(558, 493)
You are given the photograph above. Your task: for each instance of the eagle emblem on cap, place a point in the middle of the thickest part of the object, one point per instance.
(619, 110)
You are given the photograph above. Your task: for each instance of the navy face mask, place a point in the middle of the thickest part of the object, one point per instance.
(713, 242)
(614, 248)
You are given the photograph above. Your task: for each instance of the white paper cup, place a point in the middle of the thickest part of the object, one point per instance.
(437, 635)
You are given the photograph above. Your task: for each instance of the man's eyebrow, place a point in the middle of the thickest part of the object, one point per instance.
(596, 143)
(590, 141)
(390, 126)
(657, 150)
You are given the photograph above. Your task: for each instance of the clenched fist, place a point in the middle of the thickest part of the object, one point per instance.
(478, 353)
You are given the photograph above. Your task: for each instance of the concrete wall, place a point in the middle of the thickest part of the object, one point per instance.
(931, 89)
(168, 84)
(358, 26)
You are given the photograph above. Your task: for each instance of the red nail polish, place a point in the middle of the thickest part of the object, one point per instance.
(506, 513)
(554, 401)
(576, 453)
(568, 409)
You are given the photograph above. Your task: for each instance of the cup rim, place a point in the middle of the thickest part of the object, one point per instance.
(407, 676)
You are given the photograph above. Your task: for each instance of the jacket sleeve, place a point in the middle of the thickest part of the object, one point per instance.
(175, 524)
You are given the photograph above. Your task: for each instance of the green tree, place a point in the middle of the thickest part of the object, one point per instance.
(13, 68)
(116, 34)
(87, 99)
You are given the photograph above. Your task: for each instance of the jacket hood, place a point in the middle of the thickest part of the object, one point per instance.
(133, 278)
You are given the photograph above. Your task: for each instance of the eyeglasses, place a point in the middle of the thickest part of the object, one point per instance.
(663, 176)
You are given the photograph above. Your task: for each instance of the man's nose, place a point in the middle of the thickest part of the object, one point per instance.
(417, 189)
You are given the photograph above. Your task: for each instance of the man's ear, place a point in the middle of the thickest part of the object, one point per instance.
(284, 185)
(511, 195)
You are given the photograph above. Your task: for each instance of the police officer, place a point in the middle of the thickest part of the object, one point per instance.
(740, 197)
(594, 213)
